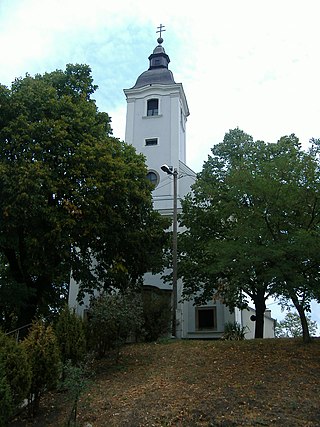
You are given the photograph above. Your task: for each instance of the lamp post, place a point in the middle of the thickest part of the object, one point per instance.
(174, 173)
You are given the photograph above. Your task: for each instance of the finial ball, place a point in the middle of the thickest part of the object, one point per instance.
(160, 40)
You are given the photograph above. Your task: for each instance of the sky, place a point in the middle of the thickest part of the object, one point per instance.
(252, 64)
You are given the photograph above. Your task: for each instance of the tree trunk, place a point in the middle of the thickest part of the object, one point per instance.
(303, 319)
(26, 315)
(260, 307)
(26, 309)
(33, 304)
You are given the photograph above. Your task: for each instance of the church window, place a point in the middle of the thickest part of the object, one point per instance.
(151, 141)
(206, 318)
(153, 177)
(153, 107)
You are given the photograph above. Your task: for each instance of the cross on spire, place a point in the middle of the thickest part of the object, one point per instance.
(160, 29)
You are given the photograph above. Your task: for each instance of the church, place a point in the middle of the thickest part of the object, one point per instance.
(157, 112)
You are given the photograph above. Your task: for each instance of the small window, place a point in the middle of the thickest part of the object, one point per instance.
(153, 178)
(151, 141)
(152, 107)
(206, 318)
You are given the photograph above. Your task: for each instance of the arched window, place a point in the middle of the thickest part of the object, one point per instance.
(153, 107)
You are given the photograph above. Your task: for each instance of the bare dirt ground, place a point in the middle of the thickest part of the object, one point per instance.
(198, 383)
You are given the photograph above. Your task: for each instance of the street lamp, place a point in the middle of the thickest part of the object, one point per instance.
(174, 173)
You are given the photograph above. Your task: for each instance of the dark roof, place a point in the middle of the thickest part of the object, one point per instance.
(157, 75)
(158, 72)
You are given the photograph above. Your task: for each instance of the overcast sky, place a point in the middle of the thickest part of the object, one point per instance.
(252, 64)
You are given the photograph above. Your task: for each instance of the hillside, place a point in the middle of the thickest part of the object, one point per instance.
(200, 383)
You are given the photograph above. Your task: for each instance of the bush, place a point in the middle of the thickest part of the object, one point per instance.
(75, 382)
(43, 352)
(112, 319)
(16, 369)
(157, 315)
(70, 333)
(234, 331)
(6, 401)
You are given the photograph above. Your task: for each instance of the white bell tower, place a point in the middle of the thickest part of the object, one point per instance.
(157, 112)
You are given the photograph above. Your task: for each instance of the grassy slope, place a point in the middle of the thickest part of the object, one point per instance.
(201, 383)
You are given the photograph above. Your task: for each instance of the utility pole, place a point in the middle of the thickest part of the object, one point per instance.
(174, 173)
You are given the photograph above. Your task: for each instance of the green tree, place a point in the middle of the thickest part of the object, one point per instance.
(252, 226)
(290, 326)
(70, 193)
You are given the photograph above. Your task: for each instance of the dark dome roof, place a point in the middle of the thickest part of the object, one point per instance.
(156, 75)
(158, 72)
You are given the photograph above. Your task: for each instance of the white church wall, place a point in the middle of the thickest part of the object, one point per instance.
(269, 323)
(191, 313)
(73, 303)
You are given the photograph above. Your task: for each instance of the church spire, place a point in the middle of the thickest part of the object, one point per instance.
(160, 30)
(159, 58)
(158, 72)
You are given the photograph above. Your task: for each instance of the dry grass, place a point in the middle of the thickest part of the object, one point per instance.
(199, 383)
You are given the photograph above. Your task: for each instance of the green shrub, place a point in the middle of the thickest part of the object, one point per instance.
(234, 331)
(70, 333)
(43, 353)
(6, 401)
(75, 382)
(112, 319)
(17, 370)
(157, 315)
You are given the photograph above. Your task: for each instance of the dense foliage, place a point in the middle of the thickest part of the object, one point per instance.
(71, 336)
(6, 404)
(15, 362)
(157, 315)
(61, 355)
(43, 352)
(252, 225)
(15, 377)
(69, 193)
(113, 319)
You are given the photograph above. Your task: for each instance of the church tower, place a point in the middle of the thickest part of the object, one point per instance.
(157, 112)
